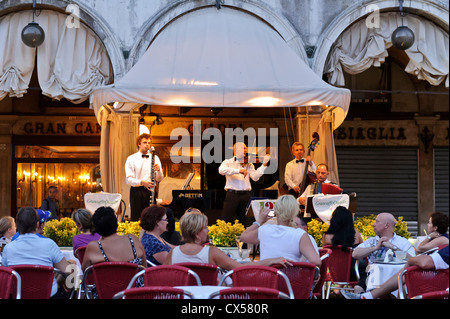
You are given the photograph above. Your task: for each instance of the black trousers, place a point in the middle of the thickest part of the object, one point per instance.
(139, 199)
(235, 206)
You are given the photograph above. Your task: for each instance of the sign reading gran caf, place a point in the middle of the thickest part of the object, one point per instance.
(58, 127)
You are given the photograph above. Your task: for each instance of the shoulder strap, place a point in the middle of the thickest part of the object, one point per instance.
(103, 252)
(132, 246)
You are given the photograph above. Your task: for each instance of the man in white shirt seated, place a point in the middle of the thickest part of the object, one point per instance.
(238, 171)
(376, 247)
(437, 260)
(322, 177)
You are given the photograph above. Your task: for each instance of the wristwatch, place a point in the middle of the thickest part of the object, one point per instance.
(429, 237)
(395, 248)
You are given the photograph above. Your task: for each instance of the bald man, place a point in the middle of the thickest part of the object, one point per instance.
(238, 171)
(377, 246)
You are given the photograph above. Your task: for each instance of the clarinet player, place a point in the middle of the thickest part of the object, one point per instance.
(138, 175)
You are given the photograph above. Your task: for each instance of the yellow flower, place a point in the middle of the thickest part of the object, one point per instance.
(224, 234)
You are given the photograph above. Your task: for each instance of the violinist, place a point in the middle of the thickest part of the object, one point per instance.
(238, 171)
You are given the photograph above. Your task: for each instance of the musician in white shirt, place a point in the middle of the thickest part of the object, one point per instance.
(293, 174)
(138, 176)
(238, 188)
(322, 177)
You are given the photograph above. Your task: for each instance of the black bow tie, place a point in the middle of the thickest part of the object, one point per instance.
(145, 156)
(300, 160)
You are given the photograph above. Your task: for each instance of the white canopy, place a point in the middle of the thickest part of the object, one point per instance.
(222, 58)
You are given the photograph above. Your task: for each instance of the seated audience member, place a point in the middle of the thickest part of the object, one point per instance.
(7, 230)
(44, 215)
(154, 223)
(171, 235)
(112, 246)
(437, 260)
(194, 231)
(302, 224)
(31, 249)
(437, 233)
(83, 219)
(342, 232)
(282, 239)
(377, 246)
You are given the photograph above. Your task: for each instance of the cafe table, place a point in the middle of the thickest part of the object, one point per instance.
(202, 292)
(380, 271)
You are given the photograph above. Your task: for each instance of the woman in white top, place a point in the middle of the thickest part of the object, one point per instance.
(194, 229)
(282, 239)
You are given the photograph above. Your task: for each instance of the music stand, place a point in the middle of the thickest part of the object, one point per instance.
(188, 181)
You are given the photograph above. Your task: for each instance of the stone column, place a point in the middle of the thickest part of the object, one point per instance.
(6, 153)
(425, 125)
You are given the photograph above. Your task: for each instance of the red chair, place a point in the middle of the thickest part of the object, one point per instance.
(9, 280)
(433, 295)
(249, 293)
(79, 253)
(318, 290)
(109, 277)
(257, 276)
(166, 275)
(153, 293)
(339, 266)
(419, 281)
(301, 277)
(36, 280)
(208, 273)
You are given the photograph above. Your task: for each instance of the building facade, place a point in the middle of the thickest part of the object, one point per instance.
(392, 149)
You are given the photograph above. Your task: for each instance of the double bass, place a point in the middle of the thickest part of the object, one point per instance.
(309, 177)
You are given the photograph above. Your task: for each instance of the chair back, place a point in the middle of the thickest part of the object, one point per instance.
(36, 281)
(340, 263)
(419, 281)
(208, 273)
(153, 293)
(325, 254)
(9, 280)
(79, 253)
(301, 277)
(433, 295)
(112, 277)
(257, 276)
(249, 293)
(166, 275)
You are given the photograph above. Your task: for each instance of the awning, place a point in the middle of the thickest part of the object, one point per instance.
(221, 58)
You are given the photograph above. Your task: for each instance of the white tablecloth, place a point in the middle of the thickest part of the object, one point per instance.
(68, 254)
(202, 292)
(381, 272)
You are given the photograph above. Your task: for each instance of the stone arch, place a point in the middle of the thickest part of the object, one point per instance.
(431, 10)
(156, 24)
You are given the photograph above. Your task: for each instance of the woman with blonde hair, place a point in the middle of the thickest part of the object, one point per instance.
(282, 239)
(7, 230)
(194, 230)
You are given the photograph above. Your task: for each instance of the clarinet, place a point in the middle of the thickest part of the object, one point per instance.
(152, 178)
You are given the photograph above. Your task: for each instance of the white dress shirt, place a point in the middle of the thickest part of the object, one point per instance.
(235, 180)
(138, 168)
(309, 190)
(293, 174)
